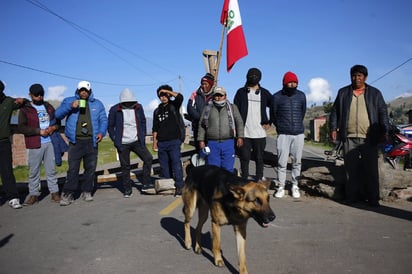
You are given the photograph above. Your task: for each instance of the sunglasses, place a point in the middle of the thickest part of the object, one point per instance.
(218, 95)
(163, 94)
(38, 95)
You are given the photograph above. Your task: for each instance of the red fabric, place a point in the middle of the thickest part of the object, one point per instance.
(236, 43)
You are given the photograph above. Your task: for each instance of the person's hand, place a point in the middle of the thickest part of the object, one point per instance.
(99, 137)
(50, 130)
(44, 132)
(19, 101)
(266, 126)
(75, 104)
(202, 144)
(239, 142)
(333, 135)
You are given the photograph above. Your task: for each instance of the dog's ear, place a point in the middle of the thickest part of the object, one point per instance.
(237, 191)
(266, 183)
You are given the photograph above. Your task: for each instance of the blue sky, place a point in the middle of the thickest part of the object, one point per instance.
(143, 44)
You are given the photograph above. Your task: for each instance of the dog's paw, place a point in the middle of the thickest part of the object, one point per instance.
(198, 249)
(188, 245)
(219, 262)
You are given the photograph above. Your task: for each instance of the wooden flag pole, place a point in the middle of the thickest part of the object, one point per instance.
(219, 53)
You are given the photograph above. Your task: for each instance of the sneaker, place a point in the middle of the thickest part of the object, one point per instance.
(15, 203)
(31, 200)
(149, 189)
(295, 192)
(128, 194)
(178, 191)
(280, 193)
(87, 196)
(66, 199)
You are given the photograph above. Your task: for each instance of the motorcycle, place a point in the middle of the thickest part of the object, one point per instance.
(398, 146)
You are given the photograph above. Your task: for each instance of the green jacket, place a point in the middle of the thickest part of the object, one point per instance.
(6, 109)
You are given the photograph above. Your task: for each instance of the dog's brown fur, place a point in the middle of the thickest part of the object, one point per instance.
(230, 200)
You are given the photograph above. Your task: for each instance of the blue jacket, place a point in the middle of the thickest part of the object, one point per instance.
(115, 127)
(287, 112)
(97, 116)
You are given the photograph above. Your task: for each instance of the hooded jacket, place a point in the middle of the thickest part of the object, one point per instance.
(97, 116)
(115, 127)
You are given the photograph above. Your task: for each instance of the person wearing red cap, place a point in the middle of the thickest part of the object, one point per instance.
(199, 98)
(288, 108)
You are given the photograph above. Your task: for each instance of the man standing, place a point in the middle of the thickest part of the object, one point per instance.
(252, 101)
(127, 129)
(288, 108)
(359, 119)
(221, 128)
(86, 125)
(37, 123)
(168, 133)
(197, 101)
(7, 105)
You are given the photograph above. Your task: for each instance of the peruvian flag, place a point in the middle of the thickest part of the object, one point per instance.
(236, 42)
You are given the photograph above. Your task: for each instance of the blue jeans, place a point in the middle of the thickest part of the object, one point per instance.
(169, 153)
(222, 154)
(81, 150)
(43, 154)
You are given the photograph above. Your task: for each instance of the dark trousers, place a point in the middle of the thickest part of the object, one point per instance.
(81, 150)
(6, 170)
(362, 174)
(169, 153)
(255, 148)
(124, 157)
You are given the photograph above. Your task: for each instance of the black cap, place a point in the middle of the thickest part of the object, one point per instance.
(36, 90)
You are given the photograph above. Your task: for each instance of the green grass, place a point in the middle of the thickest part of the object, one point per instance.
(106, 155)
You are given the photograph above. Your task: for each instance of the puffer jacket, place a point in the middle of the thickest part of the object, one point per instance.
(376, 108)
(218, 128)
(115, 127)
(287, 112)
(97, 115)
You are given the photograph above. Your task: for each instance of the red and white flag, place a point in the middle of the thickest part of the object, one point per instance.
(236, 42)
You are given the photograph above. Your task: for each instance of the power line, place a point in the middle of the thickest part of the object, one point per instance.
(77, 78)
(392, 70)
(89, 35)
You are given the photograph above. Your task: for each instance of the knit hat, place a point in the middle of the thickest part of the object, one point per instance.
(289, 77)
(36, 90)
(208, 78)
(127, 96)
(219, 90)
(2, 86)
(84, 85)
(253, 75)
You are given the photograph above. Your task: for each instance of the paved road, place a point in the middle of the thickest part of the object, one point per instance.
(143, 234)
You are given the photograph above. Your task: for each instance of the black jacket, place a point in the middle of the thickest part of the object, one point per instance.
(287, 112)
(375, 105)
(241, 101)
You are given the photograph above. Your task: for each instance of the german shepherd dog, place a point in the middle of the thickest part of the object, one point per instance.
(231, 201)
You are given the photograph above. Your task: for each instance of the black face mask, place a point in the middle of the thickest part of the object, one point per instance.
(289, 91)
(252, 80)
(38, 102)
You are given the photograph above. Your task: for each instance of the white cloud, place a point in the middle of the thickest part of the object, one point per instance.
(406, 94)
(55, 93)
(319, 90)
(148, 110)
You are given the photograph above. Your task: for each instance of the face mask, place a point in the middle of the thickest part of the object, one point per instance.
(289, 91)
(252, 80)
(219, 103)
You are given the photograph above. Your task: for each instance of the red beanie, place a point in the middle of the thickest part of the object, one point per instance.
(208, 78)
(289, 77)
